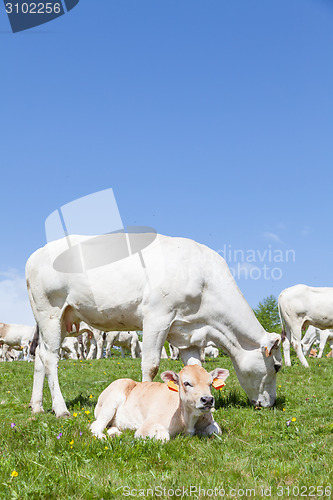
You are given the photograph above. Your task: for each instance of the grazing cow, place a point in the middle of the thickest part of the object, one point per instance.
(124, 340)
(322, 336)
(174, 352)
(174, 288)
(92, 341)
(16, 336)
(70, 348)
(211, 352)
(300, 306)
(157, 410)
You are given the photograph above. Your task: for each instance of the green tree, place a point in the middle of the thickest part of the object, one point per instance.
(267, 314)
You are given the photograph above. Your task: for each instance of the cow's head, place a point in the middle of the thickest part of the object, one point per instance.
(194, 385)
(256, 370)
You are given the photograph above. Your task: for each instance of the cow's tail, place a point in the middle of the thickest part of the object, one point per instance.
(34, 342)
(283, 332)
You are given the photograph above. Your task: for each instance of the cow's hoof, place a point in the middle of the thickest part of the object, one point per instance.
(63, 413)
(36, 408)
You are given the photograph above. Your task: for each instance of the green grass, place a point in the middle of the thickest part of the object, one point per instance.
(256, 450)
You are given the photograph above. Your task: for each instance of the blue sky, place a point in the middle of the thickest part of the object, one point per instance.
(209, 120)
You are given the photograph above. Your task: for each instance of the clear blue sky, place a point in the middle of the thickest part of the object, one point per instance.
(209, 119)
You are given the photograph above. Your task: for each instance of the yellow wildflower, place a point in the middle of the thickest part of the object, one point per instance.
(14, 473)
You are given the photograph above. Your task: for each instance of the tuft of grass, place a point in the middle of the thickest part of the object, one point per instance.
(275, 449)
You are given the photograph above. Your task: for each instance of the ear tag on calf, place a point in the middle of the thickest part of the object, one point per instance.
(172, 386)
(218, 384)
(267, 351)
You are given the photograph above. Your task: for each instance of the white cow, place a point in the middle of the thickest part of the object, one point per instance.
(322, 336)
(300, 306)
(211, 352)
(92, 341)
(158, 410)
(70, 348)
(174, 288)
(16, 336)
(124, 340)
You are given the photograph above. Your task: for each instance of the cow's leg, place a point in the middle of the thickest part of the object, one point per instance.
(191, 355)
(50, 358)
(122, 352)
(153, 430)
(108, 350)
(92, 351)
(36, 402)
(206, 425)
(322, 343)
(5, 348)
(152, 342)
(286, 351)
(306, 348)
(299, 351)
(100, 344)
(133, 350)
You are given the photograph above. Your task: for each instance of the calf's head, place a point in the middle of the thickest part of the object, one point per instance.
(194, 385)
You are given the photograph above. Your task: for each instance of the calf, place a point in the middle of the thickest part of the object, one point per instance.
(157, 410)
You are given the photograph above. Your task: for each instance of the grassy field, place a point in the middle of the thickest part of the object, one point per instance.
(282, 452)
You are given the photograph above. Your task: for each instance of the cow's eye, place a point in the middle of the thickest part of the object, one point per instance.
(187, 384)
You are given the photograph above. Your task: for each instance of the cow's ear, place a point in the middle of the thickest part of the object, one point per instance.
(170, 375)
(219, 375)
(172, 379)
(273, 341)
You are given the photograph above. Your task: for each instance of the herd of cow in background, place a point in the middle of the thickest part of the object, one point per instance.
(89, 343)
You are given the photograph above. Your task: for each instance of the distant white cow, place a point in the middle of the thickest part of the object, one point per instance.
(158, 410)
(316, 334)
(70, 348)
(17, 337)
(211, 352)
(299, 307)
(124, 340)
(170, 288)
(92, 341)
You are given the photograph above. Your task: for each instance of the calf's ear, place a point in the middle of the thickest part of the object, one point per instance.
(219, 375)
(172, 379)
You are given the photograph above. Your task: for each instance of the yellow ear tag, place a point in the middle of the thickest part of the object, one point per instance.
(267, 351)
(218, 384)
(172, 386)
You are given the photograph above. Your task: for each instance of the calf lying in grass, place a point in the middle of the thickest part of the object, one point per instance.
(157, 410)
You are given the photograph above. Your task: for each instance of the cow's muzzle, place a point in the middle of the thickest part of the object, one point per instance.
(206, 402)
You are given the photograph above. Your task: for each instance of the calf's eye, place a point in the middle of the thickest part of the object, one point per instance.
(187, 384)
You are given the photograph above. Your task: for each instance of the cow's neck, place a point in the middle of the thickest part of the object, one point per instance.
(188, 419)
